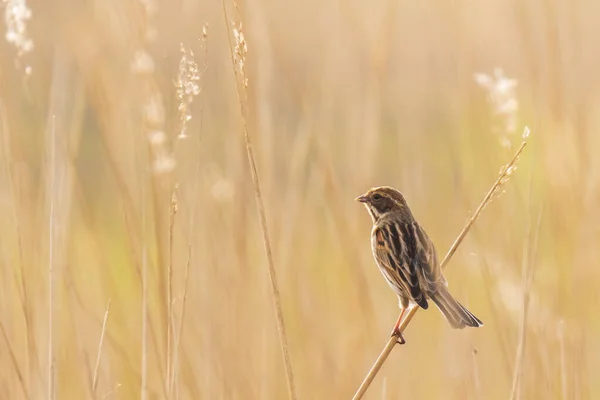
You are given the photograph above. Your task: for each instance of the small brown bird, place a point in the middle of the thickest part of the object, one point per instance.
(408, 260)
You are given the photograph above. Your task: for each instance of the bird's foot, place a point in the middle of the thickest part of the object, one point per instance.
(396, 333)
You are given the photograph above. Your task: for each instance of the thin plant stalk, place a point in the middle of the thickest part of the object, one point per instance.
(241, 82)
(144, 317)
(505, 173)
(564, 387)
(51, 244)
(145, 308)
(495, 316)
(191, 234)
(20, 273)
(135, 226)
(527, 274)
(100, 346)
(14, 361)
(172, 214)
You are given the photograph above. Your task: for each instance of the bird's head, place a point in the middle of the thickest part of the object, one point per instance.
(383, 200)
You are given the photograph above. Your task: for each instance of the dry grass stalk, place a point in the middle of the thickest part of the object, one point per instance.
(14, 361)
(564, 387)
(495, 316)
(163, 163)
(186, 117)
(172, 214)
(527, 279)
(145, 310)
(504, 175)
(100, 346)
(51, 246)
(32, 365)
(188, 86)
(238, 58)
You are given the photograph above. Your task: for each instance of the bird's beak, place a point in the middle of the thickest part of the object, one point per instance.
(362, 199)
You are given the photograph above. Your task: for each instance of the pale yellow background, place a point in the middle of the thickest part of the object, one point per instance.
(342, 96)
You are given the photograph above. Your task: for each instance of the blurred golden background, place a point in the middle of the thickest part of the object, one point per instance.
(105, 204)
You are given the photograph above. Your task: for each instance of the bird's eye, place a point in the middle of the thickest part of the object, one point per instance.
(377, 197)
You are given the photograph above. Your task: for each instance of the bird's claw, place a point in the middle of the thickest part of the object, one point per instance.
(399, 336)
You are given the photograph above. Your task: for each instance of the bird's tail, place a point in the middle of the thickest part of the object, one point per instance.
(456, 314)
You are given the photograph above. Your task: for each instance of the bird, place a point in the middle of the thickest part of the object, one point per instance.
(408, 260)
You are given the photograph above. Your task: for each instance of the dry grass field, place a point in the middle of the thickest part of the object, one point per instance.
(132, 262)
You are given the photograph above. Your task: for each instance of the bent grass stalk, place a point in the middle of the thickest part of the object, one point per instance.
(503, 177)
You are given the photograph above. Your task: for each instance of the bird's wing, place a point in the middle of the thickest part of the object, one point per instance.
(395, 249)
(426, 261)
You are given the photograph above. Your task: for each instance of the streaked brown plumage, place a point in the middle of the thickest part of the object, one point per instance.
(408, 260)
